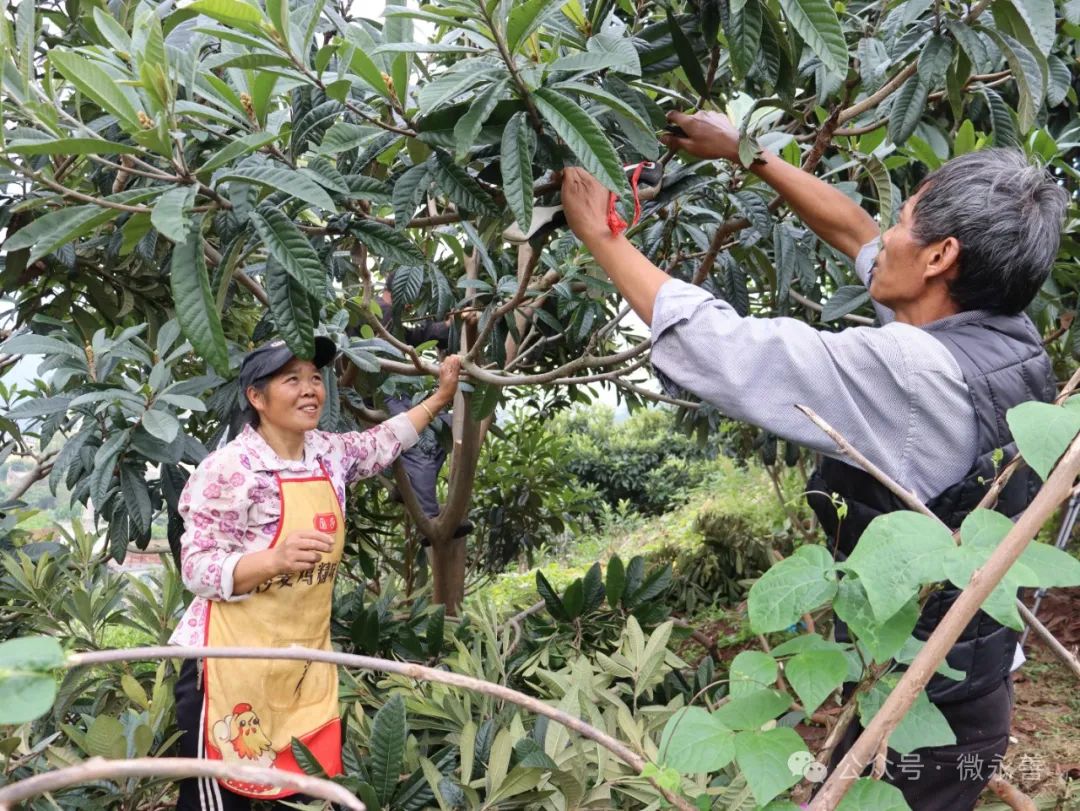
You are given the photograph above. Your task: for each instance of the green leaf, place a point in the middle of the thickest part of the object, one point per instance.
(923, 726)
(382, 240)
(1043, 431)
(1030, 80)
(137, 496)
(387, 747)
(814, 675)
(846, 299)
(290, 308)
(468, 126)
(305, 758)
(615, 581)
(68, 146)
(518, 781)
(27, 688)
(550, 597)
(817, 24)
(278, 12)
(965, 139)
(94, 83)
(688, 60)
(287, 245)
(161, 424)
(887, 197)
(50, 231)
(754, 710)
(695, 742)
(970, 43)
(637, 130)
(763, 760)
(461, 188)
(876, 794)
(934, 60)
(105, 738)
(30, 343)
(743, 31)
(360, 63)
(1054, 568)
(237, 148)
(896, 554)
(751, 671)
(1039, 18)
(435, 628)
(789, 589)
(527, 17)
(1000, 118)
(518, 148)
(574, 597)
(602, 53)
(584, 137)
(907, 109)
(881, 639)
(171, 214)
(195, 308)
(409, 189)
(278, 178)
(231, 12)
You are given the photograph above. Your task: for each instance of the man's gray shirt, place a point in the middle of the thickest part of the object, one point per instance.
(893, 391)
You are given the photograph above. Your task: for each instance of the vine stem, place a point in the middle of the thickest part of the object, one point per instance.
(99, 768)
(414, 671)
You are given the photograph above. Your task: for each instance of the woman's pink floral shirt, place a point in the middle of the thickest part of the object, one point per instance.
(230, 505)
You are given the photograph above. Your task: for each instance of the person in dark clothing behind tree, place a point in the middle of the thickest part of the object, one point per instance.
(423, 461)
(923, 396)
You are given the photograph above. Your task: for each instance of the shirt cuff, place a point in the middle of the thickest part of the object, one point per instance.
(676, 301)
(402, 428)
(228, 567)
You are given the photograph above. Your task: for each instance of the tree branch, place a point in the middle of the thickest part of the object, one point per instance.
(407, 669)
(98, 768)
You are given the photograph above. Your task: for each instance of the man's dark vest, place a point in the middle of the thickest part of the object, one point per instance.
(1004, 364)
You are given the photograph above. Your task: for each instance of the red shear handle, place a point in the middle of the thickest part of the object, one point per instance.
(616, 224)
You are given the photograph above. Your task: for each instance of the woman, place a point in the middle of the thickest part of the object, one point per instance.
(264, 530)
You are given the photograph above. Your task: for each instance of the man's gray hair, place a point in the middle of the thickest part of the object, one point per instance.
(1007, 215)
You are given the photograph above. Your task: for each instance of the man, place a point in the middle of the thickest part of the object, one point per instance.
(923, 396)
(423, 462)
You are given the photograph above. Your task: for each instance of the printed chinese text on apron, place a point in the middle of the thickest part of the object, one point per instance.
(254, 708)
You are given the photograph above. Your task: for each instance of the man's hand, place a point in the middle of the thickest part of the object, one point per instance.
(708, 135)
(585, 202)
(301, 550)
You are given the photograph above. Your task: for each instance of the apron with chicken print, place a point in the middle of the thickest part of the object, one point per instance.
(254, 708)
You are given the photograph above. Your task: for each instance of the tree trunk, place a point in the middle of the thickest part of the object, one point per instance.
(448, 573)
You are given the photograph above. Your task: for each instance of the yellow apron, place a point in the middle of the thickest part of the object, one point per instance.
(254, 708)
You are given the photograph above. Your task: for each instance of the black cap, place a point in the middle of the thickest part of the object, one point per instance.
(270, 357)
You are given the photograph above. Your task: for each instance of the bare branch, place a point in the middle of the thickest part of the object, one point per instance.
(407, 669)
(98, 768)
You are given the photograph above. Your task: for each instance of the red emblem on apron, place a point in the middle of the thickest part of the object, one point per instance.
(326, 522)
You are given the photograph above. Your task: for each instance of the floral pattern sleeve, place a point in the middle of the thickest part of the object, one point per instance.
(365, 453)
(214, 506)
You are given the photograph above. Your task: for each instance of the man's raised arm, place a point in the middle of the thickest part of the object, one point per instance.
(827, 211)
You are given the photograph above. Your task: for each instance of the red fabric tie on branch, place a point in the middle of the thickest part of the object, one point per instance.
(616, 224)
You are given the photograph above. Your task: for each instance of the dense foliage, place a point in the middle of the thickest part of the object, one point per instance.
(183, 182)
